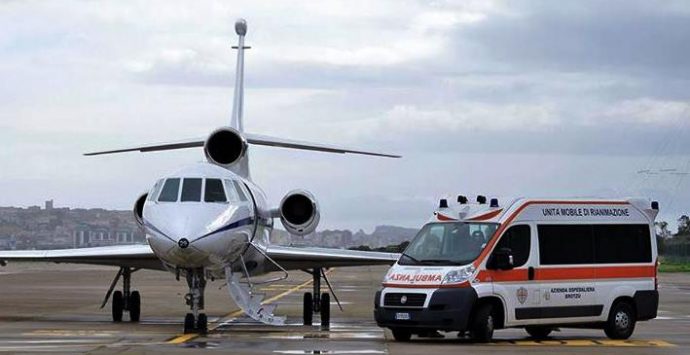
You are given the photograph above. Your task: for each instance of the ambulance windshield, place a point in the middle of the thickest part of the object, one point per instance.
(456, 243)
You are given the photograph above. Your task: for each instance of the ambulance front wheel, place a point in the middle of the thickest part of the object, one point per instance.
(482, 324)
(621, 322)
(401, 334)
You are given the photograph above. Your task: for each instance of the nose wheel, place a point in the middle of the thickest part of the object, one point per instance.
(195, 322)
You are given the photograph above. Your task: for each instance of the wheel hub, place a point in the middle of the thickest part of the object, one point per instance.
(622, 320)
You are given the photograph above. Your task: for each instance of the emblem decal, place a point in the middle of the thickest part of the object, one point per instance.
(403, 299)
(521, 295)
(183, 243)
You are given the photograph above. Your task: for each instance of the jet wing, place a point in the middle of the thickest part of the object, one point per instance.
(292, 258)
(136, 256)
(251, 139)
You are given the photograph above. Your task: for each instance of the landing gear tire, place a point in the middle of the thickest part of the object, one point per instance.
(621, 322)
(403, 335)
(308, 308)
(118, 306)
(189, 323)
(482, 326)
(325, 310)
(202, 324)
(134, 306)
(538, 332)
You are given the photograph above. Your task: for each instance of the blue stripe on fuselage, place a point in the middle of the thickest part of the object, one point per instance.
(240, 223)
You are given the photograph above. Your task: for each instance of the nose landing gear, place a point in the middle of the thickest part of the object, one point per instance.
(195, 322)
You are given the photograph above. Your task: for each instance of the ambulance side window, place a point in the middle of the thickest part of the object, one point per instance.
(566, 244)
(517, 239)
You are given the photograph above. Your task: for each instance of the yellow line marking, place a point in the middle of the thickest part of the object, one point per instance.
(183, 338)
(587, 342)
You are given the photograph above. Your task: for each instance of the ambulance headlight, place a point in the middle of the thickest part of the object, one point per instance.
(458, 275)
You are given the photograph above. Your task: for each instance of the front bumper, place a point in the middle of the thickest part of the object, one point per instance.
(448, 309)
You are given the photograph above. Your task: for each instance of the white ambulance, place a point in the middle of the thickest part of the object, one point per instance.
(537, 264)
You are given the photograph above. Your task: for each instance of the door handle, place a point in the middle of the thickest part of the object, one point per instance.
(530, 273)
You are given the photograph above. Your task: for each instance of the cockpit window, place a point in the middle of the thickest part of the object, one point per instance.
(240, 191)
(170, 190)
(214, 191)
(156, 189)
(232, 191)
(191, 190)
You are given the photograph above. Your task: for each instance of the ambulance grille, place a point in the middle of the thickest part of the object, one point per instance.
(411, 300)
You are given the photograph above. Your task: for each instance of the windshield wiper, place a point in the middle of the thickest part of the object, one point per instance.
(410, 257)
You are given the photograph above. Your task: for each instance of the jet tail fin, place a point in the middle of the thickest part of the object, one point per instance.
(236, 121)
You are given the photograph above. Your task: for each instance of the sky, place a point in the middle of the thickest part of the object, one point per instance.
(509, 99)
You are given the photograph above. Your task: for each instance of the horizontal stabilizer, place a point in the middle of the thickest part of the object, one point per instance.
(251, 139)
(191, 143)
(288, 143)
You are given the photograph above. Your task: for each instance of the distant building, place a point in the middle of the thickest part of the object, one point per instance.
(55, 228)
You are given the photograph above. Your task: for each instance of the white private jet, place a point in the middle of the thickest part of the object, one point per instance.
(210, 221)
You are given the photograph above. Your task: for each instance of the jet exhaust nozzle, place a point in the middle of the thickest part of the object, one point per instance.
(299, 212)
(225, 147)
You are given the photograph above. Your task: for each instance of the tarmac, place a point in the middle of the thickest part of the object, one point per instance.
(55, 307)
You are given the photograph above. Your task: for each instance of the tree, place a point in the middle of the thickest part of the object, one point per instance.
(662, 230)
(683, 225)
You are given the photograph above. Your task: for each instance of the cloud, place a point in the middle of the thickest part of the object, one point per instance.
(505, 98)
(649, 111)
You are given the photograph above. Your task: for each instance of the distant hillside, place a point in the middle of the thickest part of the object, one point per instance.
(382, 236)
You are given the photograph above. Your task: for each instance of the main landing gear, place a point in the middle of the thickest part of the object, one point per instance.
(195, 322)
(317, 302)
(125, 300)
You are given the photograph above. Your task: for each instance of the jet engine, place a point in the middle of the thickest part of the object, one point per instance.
(138, 209)
(225, 146)
(299, 212)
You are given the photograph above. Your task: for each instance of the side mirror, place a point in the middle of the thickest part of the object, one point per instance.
(501, 259)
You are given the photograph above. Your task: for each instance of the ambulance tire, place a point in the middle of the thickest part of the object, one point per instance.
(482, 324)
(118, 304)
(621, 323)
(307, 308)
(401, 334)
(538, 332)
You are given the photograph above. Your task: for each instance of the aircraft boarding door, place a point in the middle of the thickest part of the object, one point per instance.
(515, 286)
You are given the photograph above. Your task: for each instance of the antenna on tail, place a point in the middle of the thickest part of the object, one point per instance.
(238, 101)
